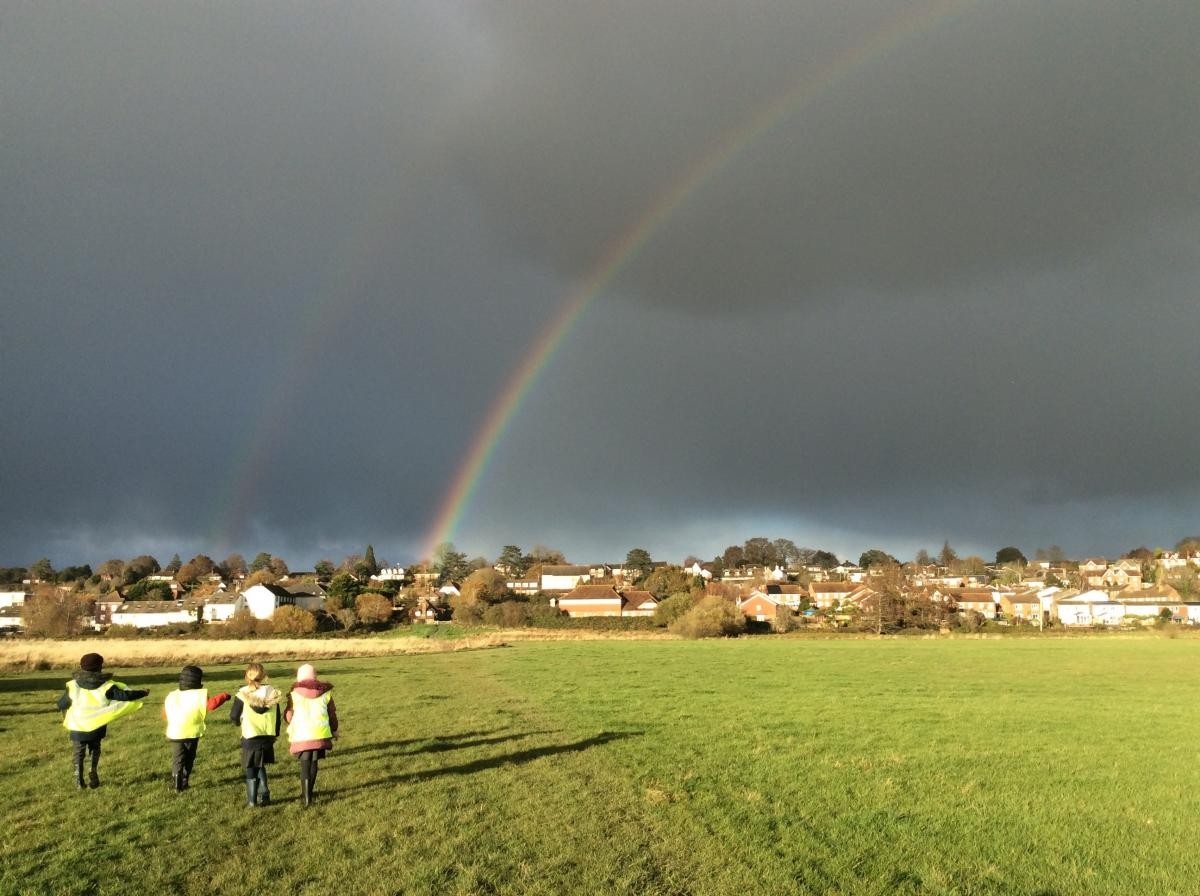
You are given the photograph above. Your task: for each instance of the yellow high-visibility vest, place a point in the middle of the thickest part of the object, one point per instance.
(310, 718)
(90, 709)
(185, 713)
(256, 724)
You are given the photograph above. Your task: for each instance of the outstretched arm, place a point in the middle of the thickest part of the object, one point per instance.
(116, 693)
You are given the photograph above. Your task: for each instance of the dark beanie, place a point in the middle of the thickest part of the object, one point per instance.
(190, 677)
(91, 662)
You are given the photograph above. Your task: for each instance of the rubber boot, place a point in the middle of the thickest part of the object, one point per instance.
(312, 782)
(306, 782)
(94, 775)
(264, 793)
(251, 792)
(79, 774)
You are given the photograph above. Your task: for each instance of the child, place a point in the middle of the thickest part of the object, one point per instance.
(185, 709)
(312, 725)
(256, 710)
(92, 700)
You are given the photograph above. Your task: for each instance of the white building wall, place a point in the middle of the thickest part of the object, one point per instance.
(150, 620)
(12, 598)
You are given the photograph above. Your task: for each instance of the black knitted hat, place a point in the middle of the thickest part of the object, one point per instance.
(91, 662)
(191, 677)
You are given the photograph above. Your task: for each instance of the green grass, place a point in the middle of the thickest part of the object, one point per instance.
(652, 767)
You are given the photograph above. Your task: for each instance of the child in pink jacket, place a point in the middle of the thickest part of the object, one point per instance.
(312, 725)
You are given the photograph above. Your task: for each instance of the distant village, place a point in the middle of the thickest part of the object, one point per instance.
(879, 593)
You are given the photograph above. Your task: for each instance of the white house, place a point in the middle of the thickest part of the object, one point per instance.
(150, 613)
(1094, 607)
(263, 600)
(565, 578)
(389, 574)
(308, 596)
(12, 598)
(222, 605)
(1148, 604)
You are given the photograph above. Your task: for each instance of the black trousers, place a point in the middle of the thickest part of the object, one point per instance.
(183, 755)
(91, 746)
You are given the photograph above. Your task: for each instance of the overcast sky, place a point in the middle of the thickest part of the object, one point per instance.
(265, 268)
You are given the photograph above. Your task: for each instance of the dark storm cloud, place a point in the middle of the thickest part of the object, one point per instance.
(1019, 134)
(266, 271)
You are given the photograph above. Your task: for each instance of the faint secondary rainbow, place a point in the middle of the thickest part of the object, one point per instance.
(282, 392)
(623, 250)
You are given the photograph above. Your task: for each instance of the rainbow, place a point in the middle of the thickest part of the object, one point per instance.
(622, 251)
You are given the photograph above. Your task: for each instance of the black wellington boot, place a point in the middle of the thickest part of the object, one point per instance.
(264, 793)
(79, 775)
(306, 782)
(251, 792)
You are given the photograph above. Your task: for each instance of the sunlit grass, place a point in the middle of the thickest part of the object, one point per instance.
(736, 767)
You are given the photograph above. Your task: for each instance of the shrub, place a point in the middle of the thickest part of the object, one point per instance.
(372, 607)
(122, 631)
(244, 624)
(712, 617)
(55, 614)
(784, 621)
(509, 614)
(293, 621)
(541, 614)
(672, 608)
(971, 620)
(467, 610)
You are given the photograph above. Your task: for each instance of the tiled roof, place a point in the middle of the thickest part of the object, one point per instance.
(566, 570)
(637, 598)
(834, 587)
(591, 592)
(149, 606)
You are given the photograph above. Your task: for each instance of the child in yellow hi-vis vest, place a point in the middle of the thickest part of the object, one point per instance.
(257, 711)
(185, 710)
(312, 726)
(91, 700)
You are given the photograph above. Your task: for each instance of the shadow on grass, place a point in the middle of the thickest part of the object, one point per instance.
(48, 709)
(440, 742)
(57, 683)
(470, 768)
(445, 744)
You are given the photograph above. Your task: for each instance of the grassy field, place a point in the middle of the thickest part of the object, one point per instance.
(657, 767)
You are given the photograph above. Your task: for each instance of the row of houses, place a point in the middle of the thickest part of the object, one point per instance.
(763, 603)
(1066, 606)
(111, 609)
